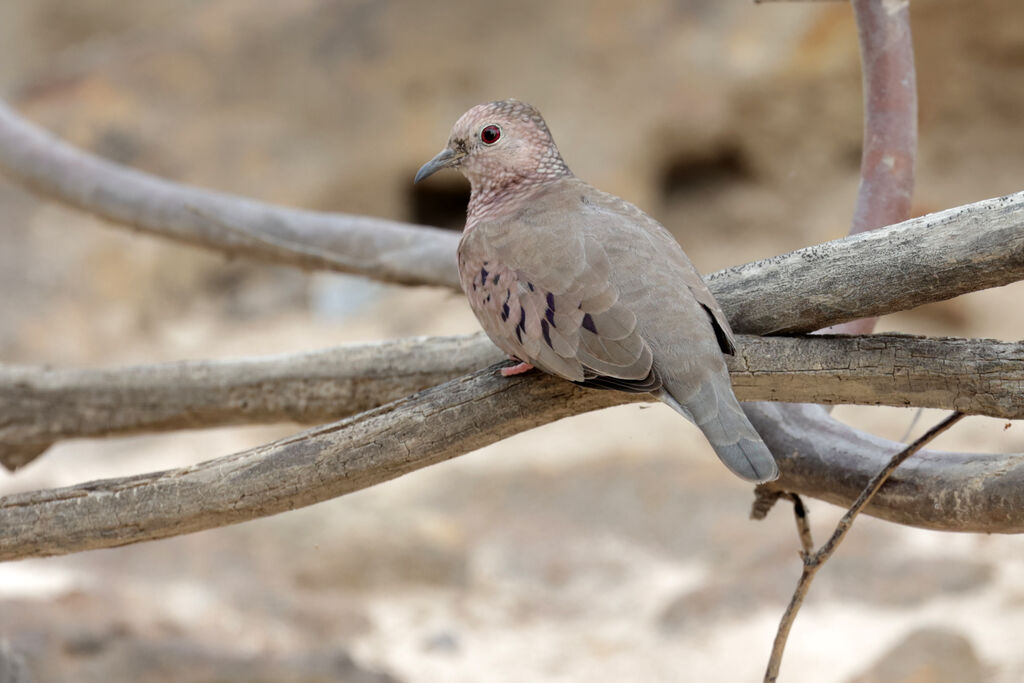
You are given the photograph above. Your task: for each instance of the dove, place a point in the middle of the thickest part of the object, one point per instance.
(587, 287)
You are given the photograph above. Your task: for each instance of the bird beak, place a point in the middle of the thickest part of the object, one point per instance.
(446, 158)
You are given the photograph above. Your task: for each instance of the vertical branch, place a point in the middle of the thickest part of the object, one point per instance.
(890, 123)
(813, 561)
(883, 198)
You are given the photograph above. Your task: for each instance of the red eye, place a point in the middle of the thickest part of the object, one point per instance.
(490, 134)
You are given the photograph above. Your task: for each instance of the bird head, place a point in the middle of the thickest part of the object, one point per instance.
(499, 143)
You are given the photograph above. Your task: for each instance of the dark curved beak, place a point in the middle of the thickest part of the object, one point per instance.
(443, 160)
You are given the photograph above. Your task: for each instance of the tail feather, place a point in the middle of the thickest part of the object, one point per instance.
(736, 442)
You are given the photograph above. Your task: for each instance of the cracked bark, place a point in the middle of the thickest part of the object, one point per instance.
(40, 406)
(944, 491)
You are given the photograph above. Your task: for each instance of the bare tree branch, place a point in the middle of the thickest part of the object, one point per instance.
(40, 406)
(890, 113)
(380, 249)
(944, 491)
(925, 259)
(825, 459)
(328, 461)
(973, 376)
(979, 245)
(813, 561)
(890, 123)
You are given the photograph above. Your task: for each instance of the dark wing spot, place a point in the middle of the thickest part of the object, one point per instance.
(504, 312)
(546, 331)
(588, 324)
(530, 285)
(724, 343)
(494, 280)
(508, 293)
(550, 313)
(521, 327)
(483, 275)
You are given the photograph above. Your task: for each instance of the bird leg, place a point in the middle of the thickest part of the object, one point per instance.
(517, 369)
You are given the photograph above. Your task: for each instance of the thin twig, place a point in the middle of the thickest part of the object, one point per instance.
(913, 423)
(803, 528)
(764, 500)
(814, 561)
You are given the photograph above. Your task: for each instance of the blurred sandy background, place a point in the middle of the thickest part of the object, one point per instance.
(610, 547)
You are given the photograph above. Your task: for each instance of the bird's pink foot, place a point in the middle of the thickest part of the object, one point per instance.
(516, 369)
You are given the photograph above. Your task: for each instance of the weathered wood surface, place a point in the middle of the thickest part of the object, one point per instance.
(40, 406)
(925, 259)
(945, 491)
(381, 249)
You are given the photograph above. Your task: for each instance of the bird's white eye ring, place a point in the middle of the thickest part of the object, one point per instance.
(490, 134)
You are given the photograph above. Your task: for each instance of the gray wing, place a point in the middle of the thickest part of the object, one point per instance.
(664, 246)
(548, 298)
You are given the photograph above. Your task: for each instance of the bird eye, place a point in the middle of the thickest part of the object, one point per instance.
(490, 134)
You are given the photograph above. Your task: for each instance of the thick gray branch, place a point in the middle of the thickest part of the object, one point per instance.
(823, 458)
(377, 248)
(925, 259)
(372, 447)
(440, 423)
(39, 406)
(972, 376)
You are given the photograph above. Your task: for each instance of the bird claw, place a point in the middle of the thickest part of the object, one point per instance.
(517, 369)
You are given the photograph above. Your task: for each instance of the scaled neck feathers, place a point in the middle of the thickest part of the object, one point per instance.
(501, 191)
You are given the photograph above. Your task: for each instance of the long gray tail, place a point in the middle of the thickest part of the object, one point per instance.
(718, 414)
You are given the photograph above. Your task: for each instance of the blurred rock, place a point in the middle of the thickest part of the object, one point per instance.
(890, 579)
(12, 667)
(185, 661)
(377, 558)
(443, 641)
(927, 655)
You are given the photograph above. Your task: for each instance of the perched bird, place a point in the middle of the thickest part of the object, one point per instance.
(586, 286)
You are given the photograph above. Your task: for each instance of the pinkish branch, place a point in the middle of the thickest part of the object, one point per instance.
(890, 123)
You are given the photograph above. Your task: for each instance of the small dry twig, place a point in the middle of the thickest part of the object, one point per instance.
(813, 561)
